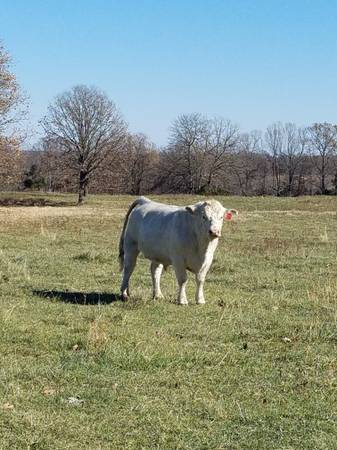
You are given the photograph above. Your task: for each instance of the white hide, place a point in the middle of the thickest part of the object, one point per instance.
(184, 237)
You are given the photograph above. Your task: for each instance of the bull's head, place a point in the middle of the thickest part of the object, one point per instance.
(210, 215)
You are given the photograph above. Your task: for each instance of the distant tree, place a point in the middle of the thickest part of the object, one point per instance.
(33, 179)
(12, 100)
(335, 174)
(11, 163)
(88, 126)
(261, 180)
(186, 152)
(322, 139)
(136, 161)
(295, 142)
(223, 143)
(247, 161)
(274, 146)
(52, 165)
(198, 152)
(12, 109)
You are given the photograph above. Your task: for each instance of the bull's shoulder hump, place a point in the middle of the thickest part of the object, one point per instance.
(142, 200)
(152, 205)
(162, 208)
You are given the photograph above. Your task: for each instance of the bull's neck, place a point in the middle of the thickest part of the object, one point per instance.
(204, 243)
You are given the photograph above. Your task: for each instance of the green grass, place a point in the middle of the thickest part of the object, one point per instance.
(255, 368)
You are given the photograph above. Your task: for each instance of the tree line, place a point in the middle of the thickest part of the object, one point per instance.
(86, 146)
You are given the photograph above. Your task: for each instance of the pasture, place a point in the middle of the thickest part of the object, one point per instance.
(254, 368)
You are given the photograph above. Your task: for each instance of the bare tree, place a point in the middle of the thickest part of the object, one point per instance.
(88, 126)
(185, 150)
(54, 166)
(133, 169)
(12, 109)
(222, 143)
(12, 100)
(136, 161)
(11, 163)
(247, 163)
(295, 142)
(323, 144)
(199, 150)
(274, 146)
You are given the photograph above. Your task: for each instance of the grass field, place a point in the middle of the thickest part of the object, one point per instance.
(255, 368)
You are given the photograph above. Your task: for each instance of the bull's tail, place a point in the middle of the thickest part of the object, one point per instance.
(137, 202)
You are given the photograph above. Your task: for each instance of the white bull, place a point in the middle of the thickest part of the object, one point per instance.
(184, 237)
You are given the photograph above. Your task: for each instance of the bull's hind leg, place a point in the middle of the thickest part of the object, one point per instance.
(156, 271)
(130, 259)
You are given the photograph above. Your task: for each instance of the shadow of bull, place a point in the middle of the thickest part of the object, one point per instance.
(80, 298)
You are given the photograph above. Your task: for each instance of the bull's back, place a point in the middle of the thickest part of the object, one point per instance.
(152, 227)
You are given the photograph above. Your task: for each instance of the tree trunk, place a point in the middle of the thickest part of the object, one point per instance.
(276, 177)
(82, 187)
(323, 188)
(323, 171)
(290, 183)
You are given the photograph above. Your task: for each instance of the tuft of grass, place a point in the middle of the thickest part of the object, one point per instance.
(254, 368)
(97, 336)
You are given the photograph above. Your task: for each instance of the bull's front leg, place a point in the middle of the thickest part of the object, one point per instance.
(156, 271)
(181, 275)
(199, 295)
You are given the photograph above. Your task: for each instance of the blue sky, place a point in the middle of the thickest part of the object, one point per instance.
(254, 62)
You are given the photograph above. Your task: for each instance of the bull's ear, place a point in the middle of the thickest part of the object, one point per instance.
(190, 209)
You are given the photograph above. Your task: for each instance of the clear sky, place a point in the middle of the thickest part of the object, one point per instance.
(254, 62)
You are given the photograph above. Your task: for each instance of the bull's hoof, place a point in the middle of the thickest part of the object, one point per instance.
(157, 296)
(124, 297)
(201, 301)
(182, 302)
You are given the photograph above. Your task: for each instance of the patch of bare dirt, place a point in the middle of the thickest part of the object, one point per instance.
(32, 202)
